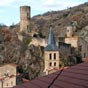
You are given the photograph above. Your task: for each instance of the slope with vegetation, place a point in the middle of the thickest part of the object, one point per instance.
(12, 50)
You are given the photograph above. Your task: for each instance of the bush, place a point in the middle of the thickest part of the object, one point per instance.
(65, 14)
(41, 35)
(27, 41)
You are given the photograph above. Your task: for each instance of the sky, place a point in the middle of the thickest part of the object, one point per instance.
(10, 9)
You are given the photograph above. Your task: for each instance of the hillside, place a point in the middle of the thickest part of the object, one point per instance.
(77, 16)
(12, 50)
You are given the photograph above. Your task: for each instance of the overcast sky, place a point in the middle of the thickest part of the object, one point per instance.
(9, 9)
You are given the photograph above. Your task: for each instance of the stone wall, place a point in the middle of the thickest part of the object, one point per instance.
(83, 48)
(7, 76)
(47, 60)
(38, 42)
(24, 19)
(73, 41)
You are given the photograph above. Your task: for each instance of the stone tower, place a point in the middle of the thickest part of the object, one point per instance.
(69, 31)
(51, 54)
(25, 19)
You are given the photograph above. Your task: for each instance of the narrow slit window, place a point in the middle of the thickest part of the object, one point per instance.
(54, 56)
(50, 56)
(54, 63)
(50, 64)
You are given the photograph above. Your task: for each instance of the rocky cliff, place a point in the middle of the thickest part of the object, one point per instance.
(12, 50)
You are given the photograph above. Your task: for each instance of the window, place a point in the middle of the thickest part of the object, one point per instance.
(27, 14)
(0, 42)
(50, 64)
(80, 48)
(50, 56)
(28, 17)
(75, 30)
(54, 63)
(54, 56)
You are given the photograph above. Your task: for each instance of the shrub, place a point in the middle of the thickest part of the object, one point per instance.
(41, 35)
(28, 40)
(65, 14)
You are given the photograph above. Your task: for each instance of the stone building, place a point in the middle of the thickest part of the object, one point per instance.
(24, 19)
(73, 45)
(7, 75)
(70, 38)
(73, 41)
(69, 31)
(65, 49)
(51, 54)
(79, 45)
(83, 48)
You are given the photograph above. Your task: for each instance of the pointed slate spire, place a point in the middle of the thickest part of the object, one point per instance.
(51, 44)
(51, 39)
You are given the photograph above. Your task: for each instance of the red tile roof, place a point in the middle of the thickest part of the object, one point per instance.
(73, 77)
(86, 59)
(11, 64)
(25, 80)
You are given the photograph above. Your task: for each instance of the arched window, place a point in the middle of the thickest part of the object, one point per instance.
(50, 56)
(50, 64)
(54, 63)
(54, 56)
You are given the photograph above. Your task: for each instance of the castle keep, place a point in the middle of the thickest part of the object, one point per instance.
(25, 19)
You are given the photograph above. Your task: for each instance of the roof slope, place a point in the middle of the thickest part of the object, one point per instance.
(51, 46)
(73, 77)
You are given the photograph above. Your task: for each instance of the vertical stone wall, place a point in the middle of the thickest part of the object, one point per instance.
(53, 60)
(69, 31)
(7, 76)
(83, 48)
(25, 19)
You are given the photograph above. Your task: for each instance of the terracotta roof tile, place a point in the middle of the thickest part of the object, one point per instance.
(11, 64)
(86, 59)
(73, 77)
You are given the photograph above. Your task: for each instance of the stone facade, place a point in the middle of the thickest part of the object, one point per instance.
(73, 41)
(51, 54)
(65, 49)
(78, 43)
(51, 59)
(83, 48)
(38, 42)
(69, 31)
(7, 76)
(24, 19)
